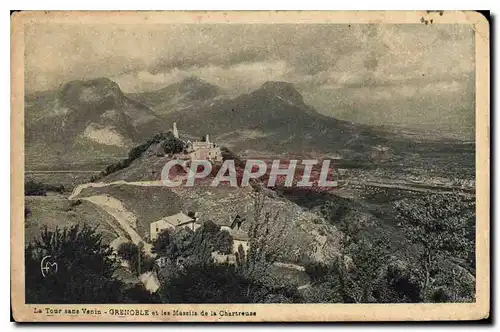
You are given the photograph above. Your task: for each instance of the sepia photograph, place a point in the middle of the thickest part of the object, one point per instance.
(250, 166)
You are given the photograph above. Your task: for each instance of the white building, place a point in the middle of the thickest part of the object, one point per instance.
(204, 150)
(239, 236)
(178, 220)
(242, 239)
(201, 150)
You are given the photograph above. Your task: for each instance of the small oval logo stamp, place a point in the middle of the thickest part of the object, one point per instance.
(47, 267)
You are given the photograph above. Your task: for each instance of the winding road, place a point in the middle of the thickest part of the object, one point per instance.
(126, 219)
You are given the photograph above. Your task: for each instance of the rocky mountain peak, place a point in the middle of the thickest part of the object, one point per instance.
(100, 92)
(281, 90)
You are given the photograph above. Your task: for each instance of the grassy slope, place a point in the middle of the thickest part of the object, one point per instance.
(53, 212)
(149, 204)
(371, 207)
(297, 243)
(143, 169)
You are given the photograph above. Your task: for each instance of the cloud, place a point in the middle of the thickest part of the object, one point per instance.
(334, 66)
(234, 79)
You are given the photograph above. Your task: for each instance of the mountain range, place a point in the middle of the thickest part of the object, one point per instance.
(274, 118)
(94, 121)
(188, 94)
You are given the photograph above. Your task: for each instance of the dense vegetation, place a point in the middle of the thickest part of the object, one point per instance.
(85, 270)
(195, 246)
(439, 264)
(439, 230)
(191, 276)
(136, 257)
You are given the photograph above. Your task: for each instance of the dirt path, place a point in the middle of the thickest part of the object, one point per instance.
(78, 189)
(290, 266)
(125, 218)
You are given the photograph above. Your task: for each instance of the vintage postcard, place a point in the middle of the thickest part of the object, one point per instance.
(250, 166)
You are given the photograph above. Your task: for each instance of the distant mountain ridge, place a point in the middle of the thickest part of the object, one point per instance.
(190, 93)
(274, 118)
(92, 119)
(85, 117)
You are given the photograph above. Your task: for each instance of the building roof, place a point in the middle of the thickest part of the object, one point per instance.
(177, 219)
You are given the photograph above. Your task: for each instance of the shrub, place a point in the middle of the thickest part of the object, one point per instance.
(130, 252)
(33, 188)
(169, 143)
(317, 271)
(85, 268)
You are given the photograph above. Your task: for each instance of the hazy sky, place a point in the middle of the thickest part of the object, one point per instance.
(400, 74)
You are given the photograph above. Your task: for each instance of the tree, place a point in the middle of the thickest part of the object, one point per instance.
(172, 145)
(398, 284)
(196, 247)
(223, 242)
(317, 271)
(135, 255)
(441, 226)
(164, 244)
(85, 268)
(204, 284)
(183, 241)
(368, 259)
(211, 283)
(216, 239)
(240, 256)
(266, 232)
(355, 272)
(335, 209)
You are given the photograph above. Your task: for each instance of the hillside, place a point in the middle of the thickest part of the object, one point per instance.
(189, 94)
(84, 120)
(275, 118)
(137, 193)
(303, 236)
(53, 212)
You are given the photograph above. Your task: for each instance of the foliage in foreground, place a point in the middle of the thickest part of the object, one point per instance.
(440, 234)
(85, 270)
(439, 230)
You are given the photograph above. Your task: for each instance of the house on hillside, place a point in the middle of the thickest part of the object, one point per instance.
(240, 237)
(162, 261)
(204, 150)
(178, 220)
(200, 150)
